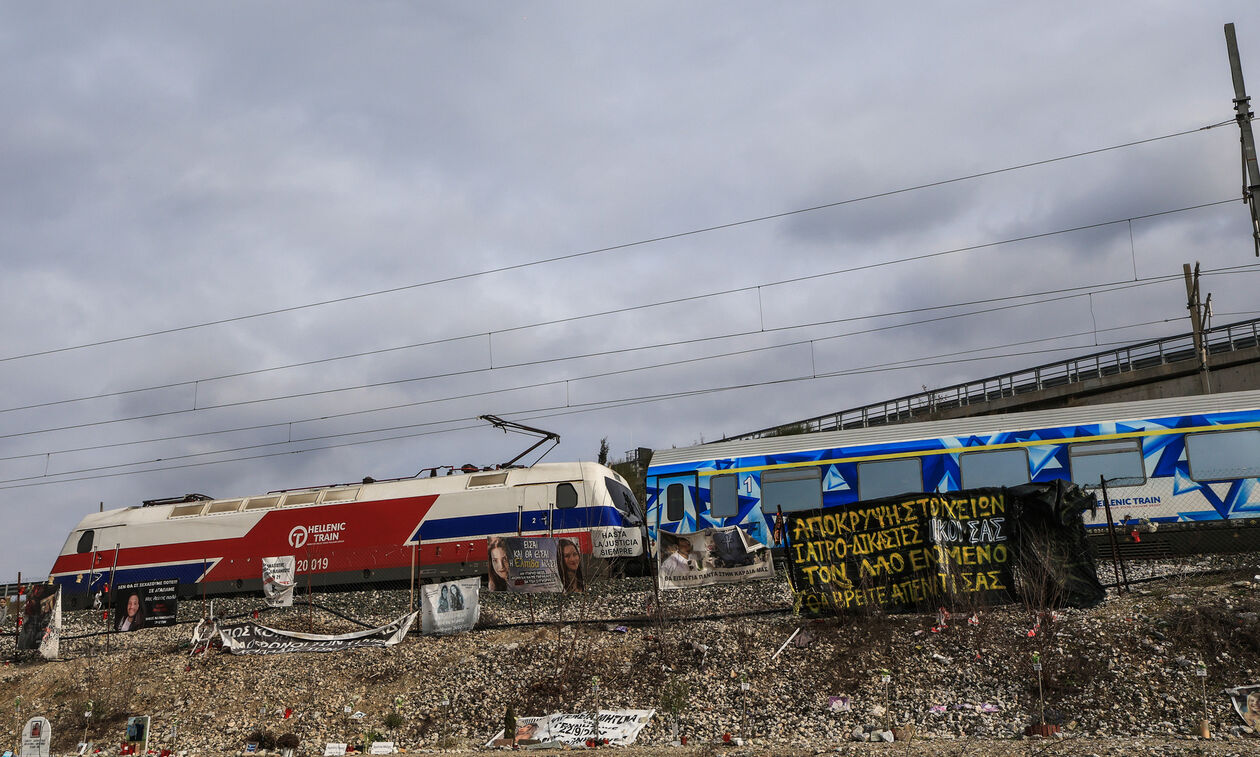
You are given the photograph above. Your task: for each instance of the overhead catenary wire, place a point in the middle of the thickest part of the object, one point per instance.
(614, 248)
(1100, 288)
(554, 411)
(894, 365)
(637, 307)
(1072, 293)
(672, 301)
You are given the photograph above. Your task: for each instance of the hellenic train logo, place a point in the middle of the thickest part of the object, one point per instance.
(322, 533)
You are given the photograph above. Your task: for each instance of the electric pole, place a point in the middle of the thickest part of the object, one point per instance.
(1242, 103)
(1196, 321)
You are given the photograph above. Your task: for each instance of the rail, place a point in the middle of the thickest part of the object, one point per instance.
(1173, 349)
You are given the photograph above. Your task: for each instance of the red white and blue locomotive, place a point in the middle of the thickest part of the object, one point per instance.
(374, 532)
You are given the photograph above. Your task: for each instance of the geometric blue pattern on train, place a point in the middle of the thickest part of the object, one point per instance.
(1168, 494)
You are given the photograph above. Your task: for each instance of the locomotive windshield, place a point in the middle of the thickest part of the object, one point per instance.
(623, 498)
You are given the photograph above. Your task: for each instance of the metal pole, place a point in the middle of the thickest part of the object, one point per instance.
(411, 584)
(649, 547)
(787, 545)
(1195, 307)
(1251, 170)
(112, 589)
(1117, 562)
(310, 608)
(205, 568)
(595, 714)
(91, 640)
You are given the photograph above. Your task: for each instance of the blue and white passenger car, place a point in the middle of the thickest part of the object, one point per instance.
(1167, 460)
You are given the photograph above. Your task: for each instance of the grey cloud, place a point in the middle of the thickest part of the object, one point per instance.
(173, 166)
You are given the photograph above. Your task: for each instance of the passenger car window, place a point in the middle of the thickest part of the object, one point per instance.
(1223, 455)
(1003, 467)
(791, 489)
(674, 502)
(1117, 462)
(724, 496)
(885, 478)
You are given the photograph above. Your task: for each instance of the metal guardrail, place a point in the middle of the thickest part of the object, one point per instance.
(1173, 349)
(11, 589)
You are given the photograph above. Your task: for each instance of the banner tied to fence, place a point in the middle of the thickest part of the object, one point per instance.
(620, 727)
(278, 578)
(535, 564)
(450, 607)
(41, 621)
(902, 553)
(251, 638)
(146, 604)
(711, 556)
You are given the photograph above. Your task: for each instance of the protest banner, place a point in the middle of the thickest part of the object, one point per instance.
(450, 607)
(531, 564)
(901, 554)
(50, 644)
(251, 638)
(41, 621)
(921, 551)
(145, 604)
(278, 578)
(616, 542)
(619, 727)
(711, 556)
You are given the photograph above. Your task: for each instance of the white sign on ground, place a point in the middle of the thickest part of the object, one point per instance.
(619, 727)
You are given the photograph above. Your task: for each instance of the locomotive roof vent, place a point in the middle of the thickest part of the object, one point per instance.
(224, 506)
(345, 494)
(498, 478)
(262, 503)
(300, 498)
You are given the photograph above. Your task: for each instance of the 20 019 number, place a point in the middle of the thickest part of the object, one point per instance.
(317, 563)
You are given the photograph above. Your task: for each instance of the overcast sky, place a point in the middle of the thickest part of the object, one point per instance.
(164, 166)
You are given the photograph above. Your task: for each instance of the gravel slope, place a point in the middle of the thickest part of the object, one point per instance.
(1118, 678)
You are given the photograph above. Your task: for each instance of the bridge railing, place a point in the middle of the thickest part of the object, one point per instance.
(1173, 349)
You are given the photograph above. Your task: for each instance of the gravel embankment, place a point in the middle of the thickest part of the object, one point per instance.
(1118, 678)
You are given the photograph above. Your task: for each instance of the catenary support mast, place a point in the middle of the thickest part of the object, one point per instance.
(1242, 108)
